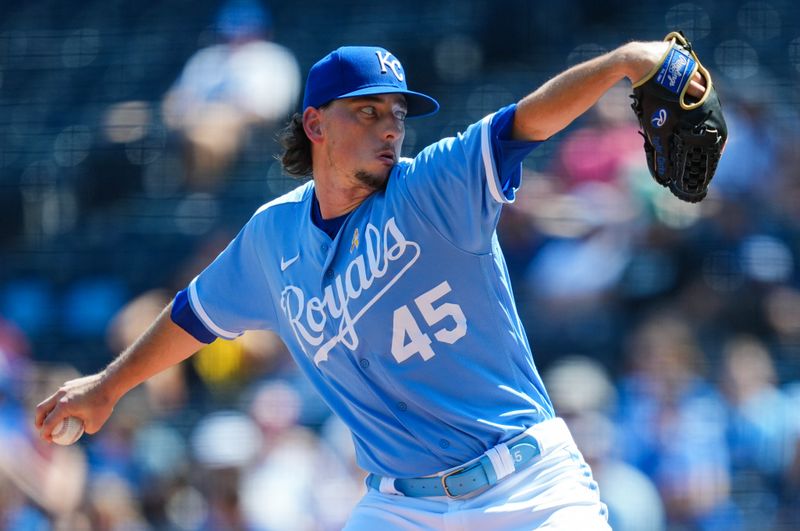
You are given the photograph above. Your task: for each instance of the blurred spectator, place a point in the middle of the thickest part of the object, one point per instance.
(140, 464)
(167, 392)
(225, 366)
(224, 445)
(39, 483)
(600, 150)
(297, 481)
(571, 279)
(672, 425)
(113, 505)
(790, 509)
(17, 509)
(745, 171)
(762, 417)
(227, 88)
(762, 430)
(583, 395)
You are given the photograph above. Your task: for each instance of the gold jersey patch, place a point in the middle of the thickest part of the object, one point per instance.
(354, 243)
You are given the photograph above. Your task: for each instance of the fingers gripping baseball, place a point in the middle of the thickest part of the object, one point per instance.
(83, 398)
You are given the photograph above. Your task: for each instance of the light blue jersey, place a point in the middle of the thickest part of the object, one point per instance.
(405, 322)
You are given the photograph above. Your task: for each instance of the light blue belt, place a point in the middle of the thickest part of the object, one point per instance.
(466, 479)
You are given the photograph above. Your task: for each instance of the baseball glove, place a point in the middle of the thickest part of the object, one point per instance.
(683, 137)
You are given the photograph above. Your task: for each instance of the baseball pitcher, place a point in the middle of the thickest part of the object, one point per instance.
(385, 279)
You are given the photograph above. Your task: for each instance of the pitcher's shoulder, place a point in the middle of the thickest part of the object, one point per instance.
(293, 200)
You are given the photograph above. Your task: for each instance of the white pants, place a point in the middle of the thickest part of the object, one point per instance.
(556, 492)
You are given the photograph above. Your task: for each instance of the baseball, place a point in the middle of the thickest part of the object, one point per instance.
(68, 431)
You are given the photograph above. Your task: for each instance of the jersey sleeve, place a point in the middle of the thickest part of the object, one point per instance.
(460, 183)
(231, 295)
(183, 316)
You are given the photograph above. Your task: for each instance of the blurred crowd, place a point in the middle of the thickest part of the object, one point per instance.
(667, 334)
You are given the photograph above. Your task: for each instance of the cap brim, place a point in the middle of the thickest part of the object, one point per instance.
(418, 104)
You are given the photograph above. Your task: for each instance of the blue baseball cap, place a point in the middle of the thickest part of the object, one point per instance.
(352, 71)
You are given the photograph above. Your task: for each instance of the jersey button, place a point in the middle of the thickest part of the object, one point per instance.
(329, 274)
(324, 247)
(364, 363)
(444, 443)
(402, 406)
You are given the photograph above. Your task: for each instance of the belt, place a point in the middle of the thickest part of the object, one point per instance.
(486, 470)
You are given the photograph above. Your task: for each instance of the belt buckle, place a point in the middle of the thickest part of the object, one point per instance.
(444, 483)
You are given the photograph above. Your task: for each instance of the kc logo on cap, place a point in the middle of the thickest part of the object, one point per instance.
(394, 64)
(352, 71)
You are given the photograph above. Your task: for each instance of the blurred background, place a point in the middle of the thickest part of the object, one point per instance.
(136, 138)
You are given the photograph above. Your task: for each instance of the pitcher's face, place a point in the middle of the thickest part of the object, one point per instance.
(362, 137)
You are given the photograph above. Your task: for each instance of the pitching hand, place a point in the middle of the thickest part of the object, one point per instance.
(85, 398)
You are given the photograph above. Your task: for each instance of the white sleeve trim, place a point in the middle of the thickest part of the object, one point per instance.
(194, 300)
(492, 178)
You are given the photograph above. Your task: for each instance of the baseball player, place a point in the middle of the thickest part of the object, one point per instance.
(385, 279)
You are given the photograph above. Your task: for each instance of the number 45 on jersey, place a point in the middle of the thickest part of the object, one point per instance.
(407, 336)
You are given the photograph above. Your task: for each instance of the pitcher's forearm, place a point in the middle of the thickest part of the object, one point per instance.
(163, 345)
(92, 398)
(555, 104)
(559, 101)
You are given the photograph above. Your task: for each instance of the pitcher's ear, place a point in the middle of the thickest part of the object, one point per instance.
(312, 124)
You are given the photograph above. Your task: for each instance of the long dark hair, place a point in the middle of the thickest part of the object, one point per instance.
(296, 156)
